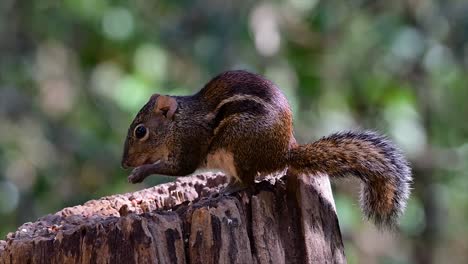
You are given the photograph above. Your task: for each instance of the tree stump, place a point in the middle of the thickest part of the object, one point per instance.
(183, 222)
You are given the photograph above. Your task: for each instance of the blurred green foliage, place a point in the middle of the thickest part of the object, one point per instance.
(74, 73)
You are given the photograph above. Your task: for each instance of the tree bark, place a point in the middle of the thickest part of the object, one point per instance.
(287, 220)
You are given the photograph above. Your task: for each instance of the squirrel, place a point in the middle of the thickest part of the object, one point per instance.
(241, 123)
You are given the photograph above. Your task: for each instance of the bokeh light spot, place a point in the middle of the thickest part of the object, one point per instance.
(264, 25)
(150, 61)
(131, 93)
(117, 23)
(9, 197)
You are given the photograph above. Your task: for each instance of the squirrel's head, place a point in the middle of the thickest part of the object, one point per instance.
(149, 132)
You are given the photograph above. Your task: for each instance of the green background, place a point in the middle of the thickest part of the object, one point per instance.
(74, 73)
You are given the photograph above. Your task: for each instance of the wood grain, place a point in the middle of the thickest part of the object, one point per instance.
(180, 222)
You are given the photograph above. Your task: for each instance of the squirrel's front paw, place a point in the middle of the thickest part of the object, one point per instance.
(136, 176)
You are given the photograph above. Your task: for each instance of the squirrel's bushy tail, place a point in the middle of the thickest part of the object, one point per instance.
(384, 171)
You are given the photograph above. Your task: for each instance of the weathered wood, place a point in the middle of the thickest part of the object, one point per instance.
(178, 223)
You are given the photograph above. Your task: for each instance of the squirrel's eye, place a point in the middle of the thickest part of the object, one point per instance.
(140, 131)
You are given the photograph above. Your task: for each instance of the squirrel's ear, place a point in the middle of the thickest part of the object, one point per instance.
(154, 97)
(167, 105)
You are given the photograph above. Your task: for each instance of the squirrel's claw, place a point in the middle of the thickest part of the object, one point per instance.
(135, 176)
(232, 187)
(138, 175)
(141, 172)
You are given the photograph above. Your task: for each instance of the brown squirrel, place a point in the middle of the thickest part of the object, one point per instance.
(241, 123)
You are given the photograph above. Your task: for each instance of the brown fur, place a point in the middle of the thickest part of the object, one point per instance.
(383, 170)
(241, 123)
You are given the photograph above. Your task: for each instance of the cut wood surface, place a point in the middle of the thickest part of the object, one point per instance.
(183, 222)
